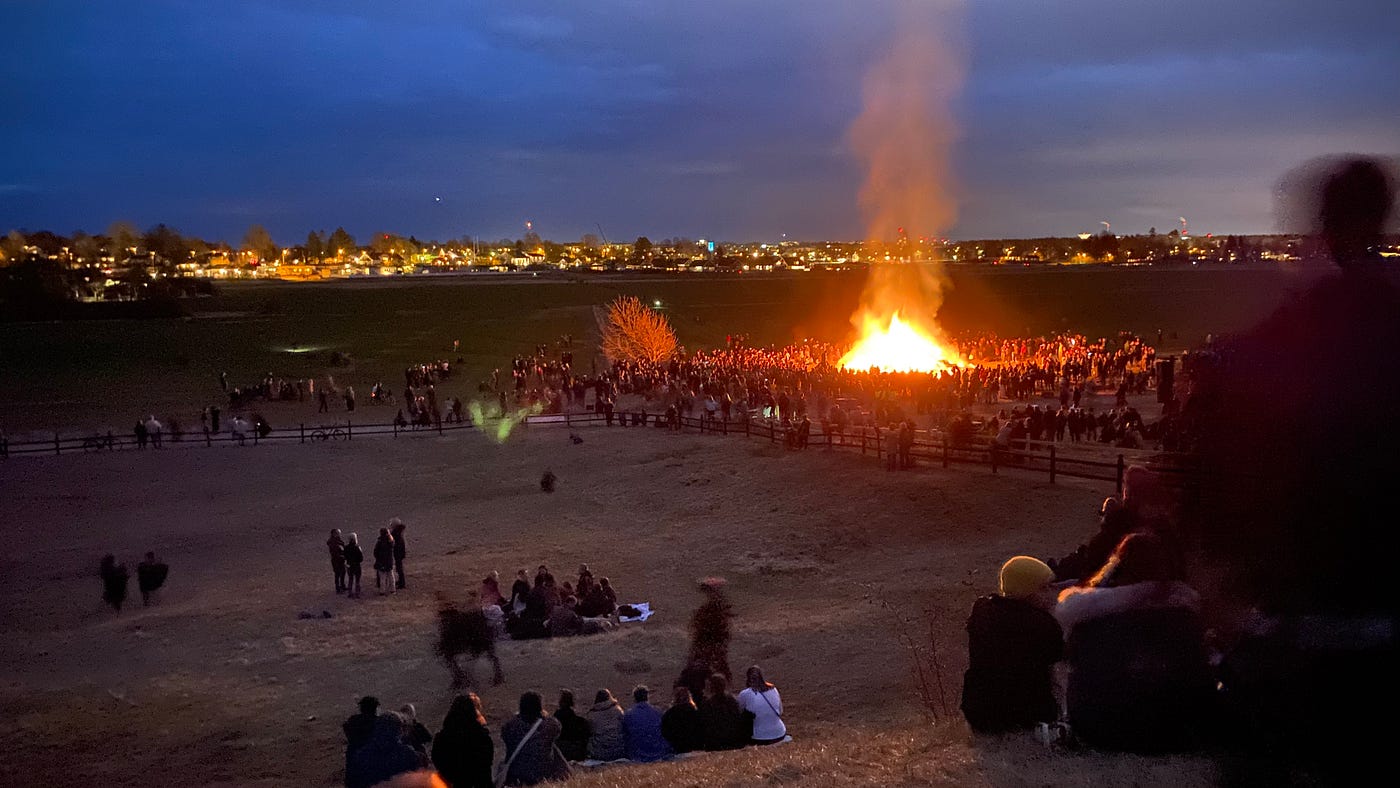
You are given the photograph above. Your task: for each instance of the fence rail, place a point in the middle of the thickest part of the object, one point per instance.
(931, 447)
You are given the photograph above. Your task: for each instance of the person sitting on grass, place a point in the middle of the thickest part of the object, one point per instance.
(606, 741)
(573, 741)
(530, 737)
(681, 723)
(721, 719)
(463, 750)
(385, 756)
(1013, 643)
(1139, 673)
(641, 728)
(760, 698)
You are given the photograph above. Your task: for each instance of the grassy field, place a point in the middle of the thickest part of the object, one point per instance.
(105, 374)
(221, 683)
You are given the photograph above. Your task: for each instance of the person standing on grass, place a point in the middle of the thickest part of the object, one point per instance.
(396, 528)
(337, 549)
(384, 562)
(354, 557)
(760, 699)
(114, 580)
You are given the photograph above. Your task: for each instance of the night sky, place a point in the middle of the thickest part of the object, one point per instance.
(699, 118)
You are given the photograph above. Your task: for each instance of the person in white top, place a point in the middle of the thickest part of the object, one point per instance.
(761, 698)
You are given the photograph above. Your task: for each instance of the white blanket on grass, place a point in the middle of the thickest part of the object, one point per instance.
(644, 612)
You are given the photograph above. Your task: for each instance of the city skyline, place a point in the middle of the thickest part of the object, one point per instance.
(441, 119)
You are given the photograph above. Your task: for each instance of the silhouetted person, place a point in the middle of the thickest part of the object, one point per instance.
(547, 481)
(1297, 512)
(573, 740)
(681, 723)
(396, 529)
(709, 634)
(150, 576)
(463, 750)
(114, 579)
(358, 727)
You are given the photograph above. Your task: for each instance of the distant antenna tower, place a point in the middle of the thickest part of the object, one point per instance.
(1182, 219)
(1106, 227)
(601, 233)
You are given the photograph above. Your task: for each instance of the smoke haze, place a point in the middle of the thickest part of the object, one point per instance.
(904, 137)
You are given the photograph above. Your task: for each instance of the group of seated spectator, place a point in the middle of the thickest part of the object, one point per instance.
(1119, 613)
(547, 608)
(539, 746)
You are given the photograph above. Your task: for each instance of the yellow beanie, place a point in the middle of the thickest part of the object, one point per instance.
(1023, 576)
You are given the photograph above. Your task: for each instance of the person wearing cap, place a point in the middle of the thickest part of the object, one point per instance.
(1013, 644)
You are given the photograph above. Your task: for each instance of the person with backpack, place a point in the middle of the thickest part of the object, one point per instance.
(531, 753)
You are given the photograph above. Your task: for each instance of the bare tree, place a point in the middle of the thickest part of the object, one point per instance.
(634, 332)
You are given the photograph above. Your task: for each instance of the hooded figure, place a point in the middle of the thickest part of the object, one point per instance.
(385, 756)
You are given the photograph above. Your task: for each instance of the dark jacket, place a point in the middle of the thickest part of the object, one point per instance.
(357, 730)
(573, 741)
(354, 556)
(1139, 678)
(462, 753)
(724, 724)
(1089, 558)
(384, 554)
(400, 543)
(1012, 646)
(641, 726)
(383, 757)
(539, 759)
(681, 727)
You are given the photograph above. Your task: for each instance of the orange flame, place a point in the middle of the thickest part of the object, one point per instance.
(897, 347)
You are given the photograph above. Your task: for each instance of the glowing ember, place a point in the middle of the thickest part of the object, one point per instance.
(897, 347)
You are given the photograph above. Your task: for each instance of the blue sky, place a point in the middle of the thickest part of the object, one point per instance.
(722, 119)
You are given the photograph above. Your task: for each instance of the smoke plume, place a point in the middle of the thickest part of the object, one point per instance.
(904, 137)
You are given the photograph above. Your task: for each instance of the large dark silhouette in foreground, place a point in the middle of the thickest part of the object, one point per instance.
(1299, 443)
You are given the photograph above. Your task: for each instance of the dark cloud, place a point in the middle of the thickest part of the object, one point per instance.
(722, 119)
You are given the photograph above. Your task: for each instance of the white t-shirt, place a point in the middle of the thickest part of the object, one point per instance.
(766, 708)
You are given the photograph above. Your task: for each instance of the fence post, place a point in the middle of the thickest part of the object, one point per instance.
(439, 424)
(57, 449)
(302, 427)
(396, 428)
(349, 432)
(877, 443)
(1120, 474)
(945, 450)
(1052, 463)
(747, 423)
(862, 441)
(207, 441)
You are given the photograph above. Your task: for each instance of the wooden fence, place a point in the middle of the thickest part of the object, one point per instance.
(1055, 459)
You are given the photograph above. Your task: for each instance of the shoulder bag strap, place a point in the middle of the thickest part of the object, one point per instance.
(764, 695)
(505, 767)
